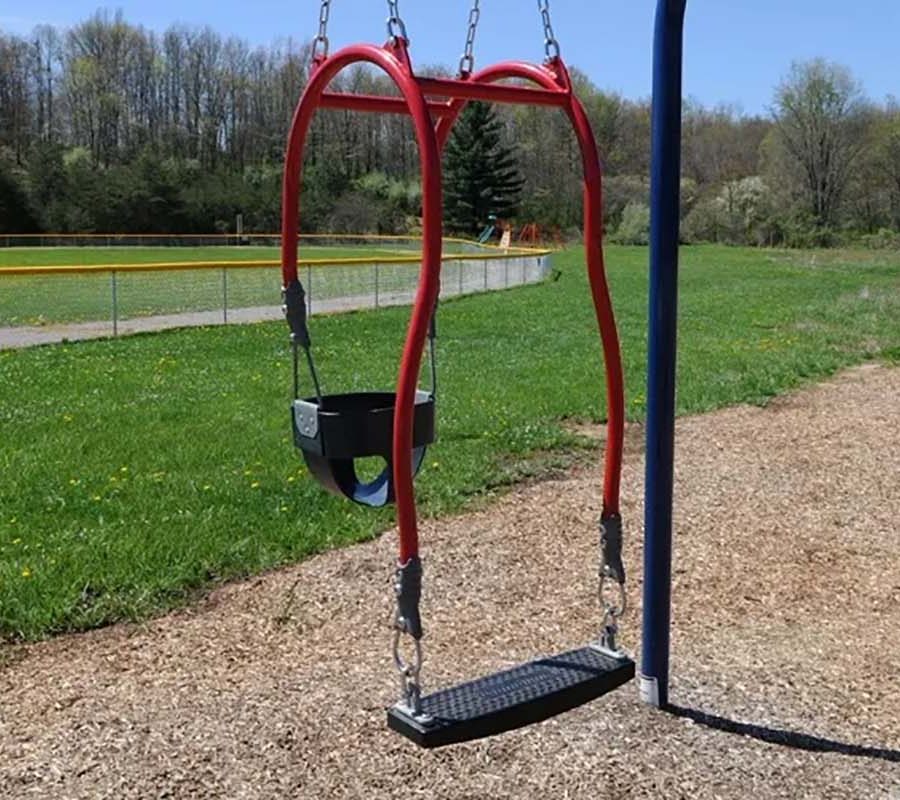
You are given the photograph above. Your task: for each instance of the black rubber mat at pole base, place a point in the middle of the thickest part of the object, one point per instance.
(520, 696)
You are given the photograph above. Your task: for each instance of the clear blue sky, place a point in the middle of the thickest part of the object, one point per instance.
(736, 49)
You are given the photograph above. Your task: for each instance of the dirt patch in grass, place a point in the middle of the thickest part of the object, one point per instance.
(634, 435)
(785, 660)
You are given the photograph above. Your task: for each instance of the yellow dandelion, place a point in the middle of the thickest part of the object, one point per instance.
(26, 573)
(291, 479)
(17, 541)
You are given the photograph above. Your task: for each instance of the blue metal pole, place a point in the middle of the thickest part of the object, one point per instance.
(665, 179)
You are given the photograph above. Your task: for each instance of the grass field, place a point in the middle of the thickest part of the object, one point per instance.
(81, 256)
(139, 471)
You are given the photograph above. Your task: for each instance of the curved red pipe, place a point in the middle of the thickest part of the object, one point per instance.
(555, 76)
(394, 61)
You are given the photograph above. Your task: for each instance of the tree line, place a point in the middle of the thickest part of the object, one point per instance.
(110, 127)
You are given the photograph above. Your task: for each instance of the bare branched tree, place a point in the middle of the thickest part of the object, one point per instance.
(820, 115)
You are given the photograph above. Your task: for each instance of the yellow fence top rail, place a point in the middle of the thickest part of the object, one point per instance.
(392, 236)
(494, 254)
(227, 236)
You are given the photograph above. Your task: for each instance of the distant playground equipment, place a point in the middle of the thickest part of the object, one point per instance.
(332, 431)
(530, 234)
(533, 234)
(488, 232)
(505, 233)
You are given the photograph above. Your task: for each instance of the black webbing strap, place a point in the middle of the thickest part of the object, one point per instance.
(432, 335)
(295, 312)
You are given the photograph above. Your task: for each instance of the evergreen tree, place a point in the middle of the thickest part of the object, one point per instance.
(15, 214)
(480, 173)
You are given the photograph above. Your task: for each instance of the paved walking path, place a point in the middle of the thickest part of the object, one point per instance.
(12, 338)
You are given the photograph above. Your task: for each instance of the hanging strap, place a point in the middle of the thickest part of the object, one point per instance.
(432, 355)
(612, 574)
(295, 311)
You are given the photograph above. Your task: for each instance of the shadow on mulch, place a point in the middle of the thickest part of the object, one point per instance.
(794, 739)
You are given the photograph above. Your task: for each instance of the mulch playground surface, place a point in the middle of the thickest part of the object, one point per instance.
(785, 642)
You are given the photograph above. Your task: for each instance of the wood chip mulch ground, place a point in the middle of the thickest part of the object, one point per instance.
(786, 643)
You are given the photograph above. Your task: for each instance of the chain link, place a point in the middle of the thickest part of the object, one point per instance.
(551, 45)
(395, 26)
(410, 671)
(613, 608)
(467, 62)
(320, 43)
(611, 572)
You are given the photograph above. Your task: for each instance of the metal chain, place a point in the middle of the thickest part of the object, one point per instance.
(320, 43)
(408, 588)
(551, 45)
(467, 62)
(395, 27)
(613, 608)
(611, 590)
(410, 672)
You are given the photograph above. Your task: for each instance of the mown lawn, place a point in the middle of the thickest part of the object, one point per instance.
(136, 472)
(85, 256)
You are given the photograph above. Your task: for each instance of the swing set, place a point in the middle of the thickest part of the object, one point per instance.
(333, 431)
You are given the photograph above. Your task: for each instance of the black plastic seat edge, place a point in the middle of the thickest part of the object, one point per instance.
(447, 732)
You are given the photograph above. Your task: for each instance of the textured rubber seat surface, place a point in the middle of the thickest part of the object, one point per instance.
(507, 700)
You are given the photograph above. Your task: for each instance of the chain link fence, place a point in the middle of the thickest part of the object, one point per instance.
(40, 308)
(193, 240)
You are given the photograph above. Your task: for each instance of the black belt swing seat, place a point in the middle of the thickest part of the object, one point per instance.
(334, 430)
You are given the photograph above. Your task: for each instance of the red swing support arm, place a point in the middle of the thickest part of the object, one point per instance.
(433, 121)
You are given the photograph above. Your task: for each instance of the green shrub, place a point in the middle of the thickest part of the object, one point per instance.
(635, 226)
(884, 239)
(706, 222)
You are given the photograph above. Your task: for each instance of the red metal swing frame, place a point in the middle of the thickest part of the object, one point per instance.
(433, 121)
